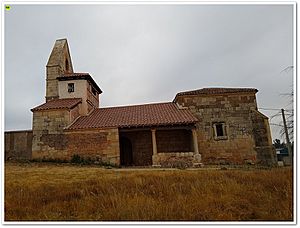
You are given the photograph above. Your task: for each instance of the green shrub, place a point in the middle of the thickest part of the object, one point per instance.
(76, 159)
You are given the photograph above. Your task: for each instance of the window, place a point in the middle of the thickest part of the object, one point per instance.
(70, 87)
(220, 130)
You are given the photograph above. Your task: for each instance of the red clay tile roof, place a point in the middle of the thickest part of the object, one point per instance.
(209, 91)
(77, 76)
(217, 91)
(136, 116)
(66, 103)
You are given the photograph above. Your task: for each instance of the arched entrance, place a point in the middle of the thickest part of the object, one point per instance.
(126, 152)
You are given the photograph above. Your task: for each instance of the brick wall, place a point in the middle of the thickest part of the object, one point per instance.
(18, 144)
(235, 111)
(101, 145)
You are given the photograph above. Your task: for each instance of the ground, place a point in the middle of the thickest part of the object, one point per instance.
(65, 192)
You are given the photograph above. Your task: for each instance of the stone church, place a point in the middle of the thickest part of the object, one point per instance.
(204, 126)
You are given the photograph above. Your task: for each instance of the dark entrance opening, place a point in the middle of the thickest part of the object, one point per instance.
(126, 152)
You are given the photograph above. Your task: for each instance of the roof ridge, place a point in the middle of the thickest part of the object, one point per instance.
(65, 73)
(58, 104)
(218, 89)
(206, 88)
(135, 105)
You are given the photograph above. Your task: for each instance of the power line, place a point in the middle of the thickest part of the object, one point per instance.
(279, 125)
(277, 114)
(275, 109)
(290, 111)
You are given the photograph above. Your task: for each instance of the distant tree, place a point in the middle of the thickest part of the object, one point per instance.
(277, 144)
(289, 114)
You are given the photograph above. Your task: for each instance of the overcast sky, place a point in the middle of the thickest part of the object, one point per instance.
(148, 53)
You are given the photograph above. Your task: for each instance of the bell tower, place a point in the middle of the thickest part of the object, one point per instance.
(59, 63)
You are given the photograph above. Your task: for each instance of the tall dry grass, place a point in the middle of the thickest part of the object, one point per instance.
(72, 193)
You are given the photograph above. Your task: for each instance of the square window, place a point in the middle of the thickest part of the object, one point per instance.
(220, 130)
(70, 87)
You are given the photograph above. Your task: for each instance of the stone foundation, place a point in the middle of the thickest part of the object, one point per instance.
(176, 159)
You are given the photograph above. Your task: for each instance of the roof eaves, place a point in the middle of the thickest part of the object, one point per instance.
(40, 108)
(199, 92)
(79, 77)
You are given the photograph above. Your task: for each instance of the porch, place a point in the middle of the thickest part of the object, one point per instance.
(158, 146)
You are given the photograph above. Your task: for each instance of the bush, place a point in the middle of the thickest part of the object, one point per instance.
(76, 159)
(81, 160)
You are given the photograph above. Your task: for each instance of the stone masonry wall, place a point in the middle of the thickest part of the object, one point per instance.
(75, 112)
(49, 141)
(141, 146)
(92, 98)
(173, 144)
(174, 141)
(80, 91)
(100, 145)
(174, 160)
(18, 144)
(59, 62)
(266, 154)
(234, 110)
(52, 82)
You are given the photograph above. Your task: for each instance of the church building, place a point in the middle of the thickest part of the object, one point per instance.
(203, 126)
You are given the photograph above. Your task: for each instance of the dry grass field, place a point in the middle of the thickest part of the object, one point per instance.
(50, 192)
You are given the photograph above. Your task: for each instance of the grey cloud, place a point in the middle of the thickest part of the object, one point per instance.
(148, 53)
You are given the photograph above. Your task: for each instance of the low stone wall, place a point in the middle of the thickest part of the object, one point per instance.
(18, 144)
(176, 159)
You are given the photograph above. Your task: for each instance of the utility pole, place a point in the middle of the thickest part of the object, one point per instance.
(288, 143)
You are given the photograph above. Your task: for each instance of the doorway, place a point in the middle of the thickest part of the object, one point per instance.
(126, 157)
